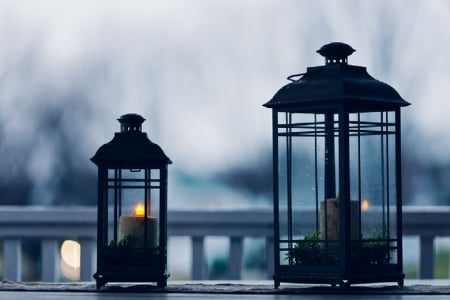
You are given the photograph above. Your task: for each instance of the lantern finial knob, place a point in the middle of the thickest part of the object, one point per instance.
(131, 122)
(336, 52)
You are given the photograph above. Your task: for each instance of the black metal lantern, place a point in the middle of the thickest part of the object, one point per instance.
(132, 207)
(337, 176)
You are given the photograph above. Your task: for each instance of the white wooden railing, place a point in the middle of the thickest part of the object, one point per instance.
(53, 224)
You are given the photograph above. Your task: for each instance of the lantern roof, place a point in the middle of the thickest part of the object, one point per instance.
(130, 144)
(336, 83)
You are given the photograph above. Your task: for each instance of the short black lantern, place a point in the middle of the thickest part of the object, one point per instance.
(337, 176)
(132, 207)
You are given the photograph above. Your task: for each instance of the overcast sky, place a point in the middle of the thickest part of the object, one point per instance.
(199, 71)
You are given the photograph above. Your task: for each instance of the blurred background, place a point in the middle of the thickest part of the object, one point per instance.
(199, 72)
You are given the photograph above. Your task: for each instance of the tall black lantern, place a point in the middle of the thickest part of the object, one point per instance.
(132, 207)
(337, 176)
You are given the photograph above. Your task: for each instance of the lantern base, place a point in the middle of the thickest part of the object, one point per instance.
(339, 280)
(105, 277)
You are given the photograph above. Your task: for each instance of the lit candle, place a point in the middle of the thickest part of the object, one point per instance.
(132, 228)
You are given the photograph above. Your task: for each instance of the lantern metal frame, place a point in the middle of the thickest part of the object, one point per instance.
(331, 117)
(131, 163)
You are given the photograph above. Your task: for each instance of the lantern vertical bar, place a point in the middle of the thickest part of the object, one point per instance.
(102, 188)
(163, 205)
(316, 184)
(387, 192)
(359, 173)
(344, 188)
(289, 179)
(398, 166)
(147, 205)
(119, 187)
(102, 218)
(383, 172)
(162, 247)
(116, 201)
(276, 224)
(330, 175)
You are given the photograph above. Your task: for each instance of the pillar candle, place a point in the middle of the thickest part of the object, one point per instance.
(332, 220)
(133, 227)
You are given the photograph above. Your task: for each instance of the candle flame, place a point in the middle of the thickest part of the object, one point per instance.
(139, 210)
(365, 205)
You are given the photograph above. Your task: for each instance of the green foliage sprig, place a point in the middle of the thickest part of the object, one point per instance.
(314, 251)
(127, 242)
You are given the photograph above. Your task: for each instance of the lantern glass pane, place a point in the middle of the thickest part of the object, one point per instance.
(328, 207)
(308, 150)
(154, 201)
(130, 221)
(284, 187)
(283, 214)
(112, 207)
(392, 192)
(372, 187)
(110, 239)
(155, 174)
(132, 201)
(132, 191)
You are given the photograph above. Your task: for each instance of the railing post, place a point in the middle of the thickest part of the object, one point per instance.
(12, 260)
(235, 260)
(199, 269)
(87, 260)
(426, 257)
(270, 257)
(50, 259)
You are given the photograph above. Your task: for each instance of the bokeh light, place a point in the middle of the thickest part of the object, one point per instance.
(365, 205)
(70, 259)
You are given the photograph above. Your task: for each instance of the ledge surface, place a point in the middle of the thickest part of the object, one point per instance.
(412, 287)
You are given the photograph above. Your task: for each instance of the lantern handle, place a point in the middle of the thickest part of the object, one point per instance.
(291, 77)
